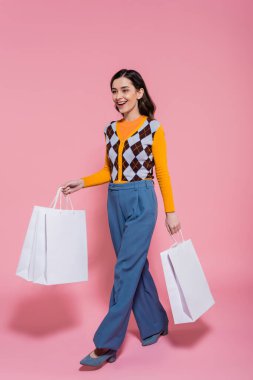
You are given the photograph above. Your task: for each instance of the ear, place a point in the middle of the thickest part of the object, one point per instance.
(140, 93)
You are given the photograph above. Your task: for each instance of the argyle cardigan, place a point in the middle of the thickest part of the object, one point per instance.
(132, 153)
(137, 156)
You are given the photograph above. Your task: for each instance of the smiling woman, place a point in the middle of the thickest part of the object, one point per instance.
(135, 145)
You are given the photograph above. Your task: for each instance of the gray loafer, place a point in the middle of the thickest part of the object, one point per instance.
(109, 356)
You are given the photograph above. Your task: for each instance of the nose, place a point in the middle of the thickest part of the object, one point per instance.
(119, 97)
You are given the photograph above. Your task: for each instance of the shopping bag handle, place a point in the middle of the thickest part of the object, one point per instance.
(176, 242)
(59, 192)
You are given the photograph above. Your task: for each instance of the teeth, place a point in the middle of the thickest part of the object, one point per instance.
(122, 103)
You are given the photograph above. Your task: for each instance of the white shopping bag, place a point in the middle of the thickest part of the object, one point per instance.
(55, 246)
(187, 287)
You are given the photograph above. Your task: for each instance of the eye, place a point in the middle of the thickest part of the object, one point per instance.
(125, 90)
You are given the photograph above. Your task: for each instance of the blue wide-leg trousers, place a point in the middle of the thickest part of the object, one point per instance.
(132, 214)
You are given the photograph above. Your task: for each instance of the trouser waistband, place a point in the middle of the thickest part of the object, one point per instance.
(131, 185)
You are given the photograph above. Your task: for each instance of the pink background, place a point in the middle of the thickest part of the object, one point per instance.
(57, 59)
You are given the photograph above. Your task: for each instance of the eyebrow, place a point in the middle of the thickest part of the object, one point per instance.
(113, 88)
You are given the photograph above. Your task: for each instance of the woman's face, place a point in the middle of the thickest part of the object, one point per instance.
(125, 95)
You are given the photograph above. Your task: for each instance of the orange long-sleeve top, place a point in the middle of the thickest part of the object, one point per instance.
(159, 150)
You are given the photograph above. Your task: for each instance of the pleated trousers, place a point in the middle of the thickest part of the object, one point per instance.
(132, 214)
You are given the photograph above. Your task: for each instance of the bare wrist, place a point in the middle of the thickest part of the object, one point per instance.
(83, 184)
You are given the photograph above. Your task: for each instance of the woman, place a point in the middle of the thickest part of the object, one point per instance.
(134, 145)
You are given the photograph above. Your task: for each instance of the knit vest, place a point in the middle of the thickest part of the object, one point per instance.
(137, 156)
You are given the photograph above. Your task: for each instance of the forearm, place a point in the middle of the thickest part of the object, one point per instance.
(98, 178)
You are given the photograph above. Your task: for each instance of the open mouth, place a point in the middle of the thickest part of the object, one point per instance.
(121, 104)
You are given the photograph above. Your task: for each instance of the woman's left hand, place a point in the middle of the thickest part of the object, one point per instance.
(172, 222)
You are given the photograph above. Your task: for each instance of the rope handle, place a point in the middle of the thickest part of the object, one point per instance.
(67, 198)
(176, 242)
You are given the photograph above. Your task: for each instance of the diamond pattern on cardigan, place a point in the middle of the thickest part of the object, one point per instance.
(137, 156)
(112, 146)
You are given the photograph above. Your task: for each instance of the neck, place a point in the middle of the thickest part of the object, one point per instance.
(132, 117)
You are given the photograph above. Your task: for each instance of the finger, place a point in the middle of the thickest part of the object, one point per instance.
(171, 229)
(168, 228)
(178, 228)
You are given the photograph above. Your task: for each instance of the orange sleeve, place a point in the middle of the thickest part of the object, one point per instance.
(161, 168)
(100, 177)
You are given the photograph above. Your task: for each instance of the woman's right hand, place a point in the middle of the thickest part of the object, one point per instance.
(72, 186)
